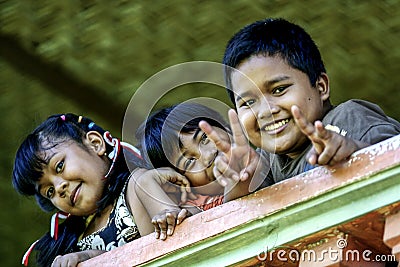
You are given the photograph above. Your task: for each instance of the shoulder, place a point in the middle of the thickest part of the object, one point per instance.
(361, 120)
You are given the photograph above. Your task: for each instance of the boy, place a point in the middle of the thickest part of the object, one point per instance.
(278, 83)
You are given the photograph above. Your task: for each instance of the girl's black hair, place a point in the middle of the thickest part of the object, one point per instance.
(31, 158)
(158, 136)
(273, 37)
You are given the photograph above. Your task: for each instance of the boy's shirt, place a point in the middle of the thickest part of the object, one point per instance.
(355, 119)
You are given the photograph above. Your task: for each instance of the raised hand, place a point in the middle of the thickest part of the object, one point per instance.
(238, 161)
(329, 147)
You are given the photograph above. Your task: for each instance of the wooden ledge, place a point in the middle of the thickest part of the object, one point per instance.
(280, 214)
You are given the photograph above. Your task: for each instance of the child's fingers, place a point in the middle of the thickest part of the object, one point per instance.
(182, 216)
(184, 194)
(305, 126)
(322, 133)
(239, 138)
(219, 177)
(214, 136)
(225, 170)
(171, 220)
(312, 156)
(327, 154)
(156, 228)
(251, 167)
(162, 224)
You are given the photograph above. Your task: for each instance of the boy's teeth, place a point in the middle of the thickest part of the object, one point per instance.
(276, 125)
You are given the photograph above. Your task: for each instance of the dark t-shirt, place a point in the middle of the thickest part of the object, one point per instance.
(355, 119)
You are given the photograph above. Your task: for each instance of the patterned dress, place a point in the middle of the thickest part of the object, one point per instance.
(119, 230)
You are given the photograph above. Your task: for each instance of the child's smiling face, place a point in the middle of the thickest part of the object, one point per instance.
(196, 156)
(264, 96)
(74, 178)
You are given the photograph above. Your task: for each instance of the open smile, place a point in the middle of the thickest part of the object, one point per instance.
(74, 195)
(276, 126)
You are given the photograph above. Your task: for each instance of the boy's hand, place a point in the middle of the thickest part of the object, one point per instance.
(165, 222)
(238, 161)
(329, 147)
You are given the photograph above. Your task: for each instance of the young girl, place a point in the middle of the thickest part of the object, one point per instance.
(72, 165)
(171, 137)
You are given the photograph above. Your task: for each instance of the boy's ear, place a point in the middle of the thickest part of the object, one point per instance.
(96, 142)
(323, 86)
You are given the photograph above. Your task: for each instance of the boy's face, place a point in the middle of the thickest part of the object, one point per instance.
(264, 96)
(196, 156)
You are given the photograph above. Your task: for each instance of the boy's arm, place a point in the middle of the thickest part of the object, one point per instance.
(329, 147)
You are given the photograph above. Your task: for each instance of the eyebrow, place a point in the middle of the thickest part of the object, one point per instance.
(196, 133)
(266, 85)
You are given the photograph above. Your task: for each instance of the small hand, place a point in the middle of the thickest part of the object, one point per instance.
(237, 161)
(166, 174)
(329, 147)
(72, 259)
(165, 222)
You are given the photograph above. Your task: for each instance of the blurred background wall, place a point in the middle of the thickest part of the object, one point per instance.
(89, 57)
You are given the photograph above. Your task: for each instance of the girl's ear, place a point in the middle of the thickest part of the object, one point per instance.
(323, 86)
(96, 142)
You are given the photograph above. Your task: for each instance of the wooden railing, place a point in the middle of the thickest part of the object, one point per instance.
(324, 217)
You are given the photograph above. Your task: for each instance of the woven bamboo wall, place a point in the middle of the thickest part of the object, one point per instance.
(102, 51)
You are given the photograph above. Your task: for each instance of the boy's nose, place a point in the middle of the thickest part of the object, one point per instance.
(266, 110)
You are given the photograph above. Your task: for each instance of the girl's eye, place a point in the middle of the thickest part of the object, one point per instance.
(204, 139)
(50, 192)
(188, 163)
(59, 166)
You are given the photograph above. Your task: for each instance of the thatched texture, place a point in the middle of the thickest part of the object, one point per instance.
(88, 57)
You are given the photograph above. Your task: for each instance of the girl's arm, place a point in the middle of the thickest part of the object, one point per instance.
(154, 201)
(72, 259)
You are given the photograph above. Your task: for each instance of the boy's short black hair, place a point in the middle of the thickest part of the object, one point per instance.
(273, 37)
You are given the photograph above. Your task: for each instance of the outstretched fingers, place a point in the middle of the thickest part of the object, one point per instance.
(305, 126)
(239, 138)
(215, 137)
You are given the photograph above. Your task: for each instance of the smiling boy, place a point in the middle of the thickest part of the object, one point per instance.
(278, 83)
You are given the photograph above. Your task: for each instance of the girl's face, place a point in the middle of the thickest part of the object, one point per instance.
(74, 178)
(196, 156)
(264, 97)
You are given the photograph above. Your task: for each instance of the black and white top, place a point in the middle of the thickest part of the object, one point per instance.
(120, 229)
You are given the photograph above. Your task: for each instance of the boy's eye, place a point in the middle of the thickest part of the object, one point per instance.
(59, 166)
(50, 192)
(247, 103)
(279, 89)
